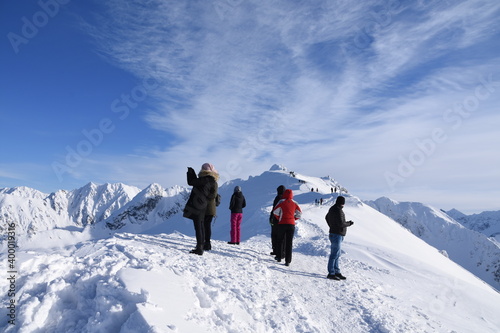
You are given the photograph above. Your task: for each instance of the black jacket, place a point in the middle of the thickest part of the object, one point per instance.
(280, 190)
(237, 202)
(202, 195)
(336, 220)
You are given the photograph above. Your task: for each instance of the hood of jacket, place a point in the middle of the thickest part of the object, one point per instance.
(204, 173)
(288, 194)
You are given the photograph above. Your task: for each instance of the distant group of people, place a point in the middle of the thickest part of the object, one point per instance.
(332, 189)
(204, 199)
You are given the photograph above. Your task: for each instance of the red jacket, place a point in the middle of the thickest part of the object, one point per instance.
(287, 210)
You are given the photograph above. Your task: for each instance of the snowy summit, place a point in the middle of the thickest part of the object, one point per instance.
(113, 258)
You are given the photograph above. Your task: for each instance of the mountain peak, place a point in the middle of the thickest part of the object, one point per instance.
(455, 213)
(23, 192)
(278, 167)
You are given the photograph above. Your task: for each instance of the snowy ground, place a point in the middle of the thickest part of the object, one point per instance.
(150, 283)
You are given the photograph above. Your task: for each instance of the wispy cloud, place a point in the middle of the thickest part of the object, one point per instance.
(333, 83)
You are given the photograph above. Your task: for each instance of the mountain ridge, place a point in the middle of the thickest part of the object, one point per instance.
(472, 250)
(487, 222)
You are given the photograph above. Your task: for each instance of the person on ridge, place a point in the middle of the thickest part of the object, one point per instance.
(200, 206)
(338, 229)
(274, 222)
(286, 212)
(236, 206)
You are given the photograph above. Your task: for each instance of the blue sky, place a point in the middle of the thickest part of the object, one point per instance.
(391, 98)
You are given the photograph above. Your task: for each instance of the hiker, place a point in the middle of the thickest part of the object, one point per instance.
(338, 228)
(236, 206)
(286, 211)
(274, 222)
(200, 206)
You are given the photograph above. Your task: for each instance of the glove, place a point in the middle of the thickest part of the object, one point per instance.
(351, 223)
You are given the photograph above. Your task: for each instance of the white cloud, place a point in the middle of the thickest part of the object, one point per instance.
(241, 86)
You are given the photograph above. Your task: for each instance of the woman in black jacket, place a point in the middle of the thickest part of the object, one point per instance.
(201, 201)
(236, 206)
(274, 222)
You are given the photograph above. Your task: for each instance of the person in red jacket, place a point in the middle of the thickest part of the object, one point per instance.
(286, 212)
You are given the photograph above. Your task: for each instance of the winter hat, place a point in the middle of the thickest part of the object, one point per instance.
(237, 189)
(340, 200)
(281, 189)
(208, 167)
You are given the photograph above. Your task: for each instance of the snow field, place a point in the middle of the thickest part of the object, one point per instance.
(150, 283)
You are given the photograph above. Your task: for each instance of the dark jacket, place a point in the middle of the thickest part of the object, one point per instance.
(279, 196)
(237, 202)
(336, 220)
(201, 201)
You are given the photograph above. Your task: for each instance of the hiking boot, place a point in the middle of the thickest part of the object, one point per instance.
(340, 276)
(196, 251)
(332, 277)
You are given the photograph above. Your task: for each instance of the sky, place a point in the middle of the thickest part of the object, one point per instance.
(390, 98)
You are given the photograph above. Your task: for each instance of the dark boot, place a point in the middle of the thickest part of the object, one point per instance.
(197, 251)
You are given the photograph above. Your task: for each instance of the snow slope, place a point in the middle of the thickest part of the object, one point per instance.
(130, 281)
(470, 249)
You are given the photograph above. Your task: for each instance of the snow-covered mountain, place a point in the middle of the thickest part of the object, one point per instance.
(130, 270)
(37, 213)
(487, 223)
(470, 249)
(152, 206)
(29, 210)
(92, 203)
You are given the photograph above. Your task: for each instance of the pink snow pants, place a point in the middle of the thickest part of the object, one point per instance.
(236, 227)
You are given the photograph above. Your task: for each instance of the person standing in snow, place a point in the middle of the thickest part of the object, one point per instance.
(200, 206)
(338, 229)
(236, 206)
(286, 212)
(273, 221)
